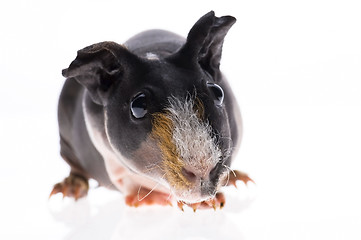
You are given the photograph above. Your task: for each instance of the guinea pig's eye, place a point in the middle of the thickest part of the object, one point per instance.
(138, 106)
(217, 93)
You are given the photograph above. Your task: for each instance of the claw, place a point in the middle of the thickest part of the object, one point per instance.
(180, 205)
(212, 203)
(221, 199)
(56, 189)
(72, 186)
(233, 183)
(195, 206)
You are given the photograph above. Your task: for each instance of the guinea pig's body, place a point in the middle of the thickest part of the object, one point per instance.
(153, 118)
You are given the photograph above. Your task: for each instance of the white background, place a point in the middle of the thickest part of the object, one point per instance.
(296, 70)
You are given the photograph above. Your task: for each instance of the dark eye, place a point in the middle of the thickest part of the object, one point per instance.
(138, 106)
(217, 93)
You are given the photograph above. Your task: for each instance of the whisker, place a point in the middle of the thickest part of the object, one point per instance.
(230, 170)
(151, 167)
(170, 194)
(140, 187)
(227, 175)
(155, 186)
(170, 190)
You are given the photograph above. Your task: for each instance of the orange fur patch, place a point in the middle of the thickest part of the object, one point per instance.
(172, 164)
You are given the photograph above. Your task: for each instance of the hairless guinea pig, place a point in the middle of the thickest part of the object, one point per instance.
(153, 118)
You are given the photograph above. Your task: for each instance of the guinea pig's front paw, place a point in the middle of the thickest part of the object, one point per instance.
(73, 186)
(236, 175)
(147, 197)
(217, 202)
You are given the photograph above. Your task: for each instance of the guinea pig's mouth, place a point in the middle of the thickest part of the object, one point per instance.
(191, 196)
(200, 189)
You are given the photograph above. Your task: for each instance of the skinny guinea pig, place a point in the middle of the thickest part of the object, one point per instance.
(153, 118)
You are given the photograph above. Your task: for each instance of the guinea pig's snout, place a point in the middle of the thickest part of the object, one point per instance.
(189, 175)
(199, 182)
(196, 175)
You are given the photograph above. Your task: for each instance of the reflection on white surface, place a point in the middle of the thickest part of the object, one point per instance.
(113, 220)
(295, 67)
(103, 214)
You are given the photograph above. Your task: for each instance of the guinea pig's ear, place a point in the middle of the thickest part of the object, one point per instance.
(204, 43)
(98, 67)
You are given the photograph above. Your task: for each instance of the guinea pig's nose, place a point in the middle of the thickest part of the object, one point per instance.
(189, 175)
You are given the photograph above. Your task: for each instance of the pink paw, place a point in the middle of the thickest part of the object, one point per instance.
(238, 175)
(147, 197)
(73, 186)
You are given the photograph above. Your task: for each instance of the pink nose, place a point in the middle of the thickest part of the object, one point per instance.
(195, 175)
(189, 175)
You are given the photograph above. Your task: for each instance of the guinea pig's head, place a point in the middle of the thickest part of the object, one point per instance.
(167, 118)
